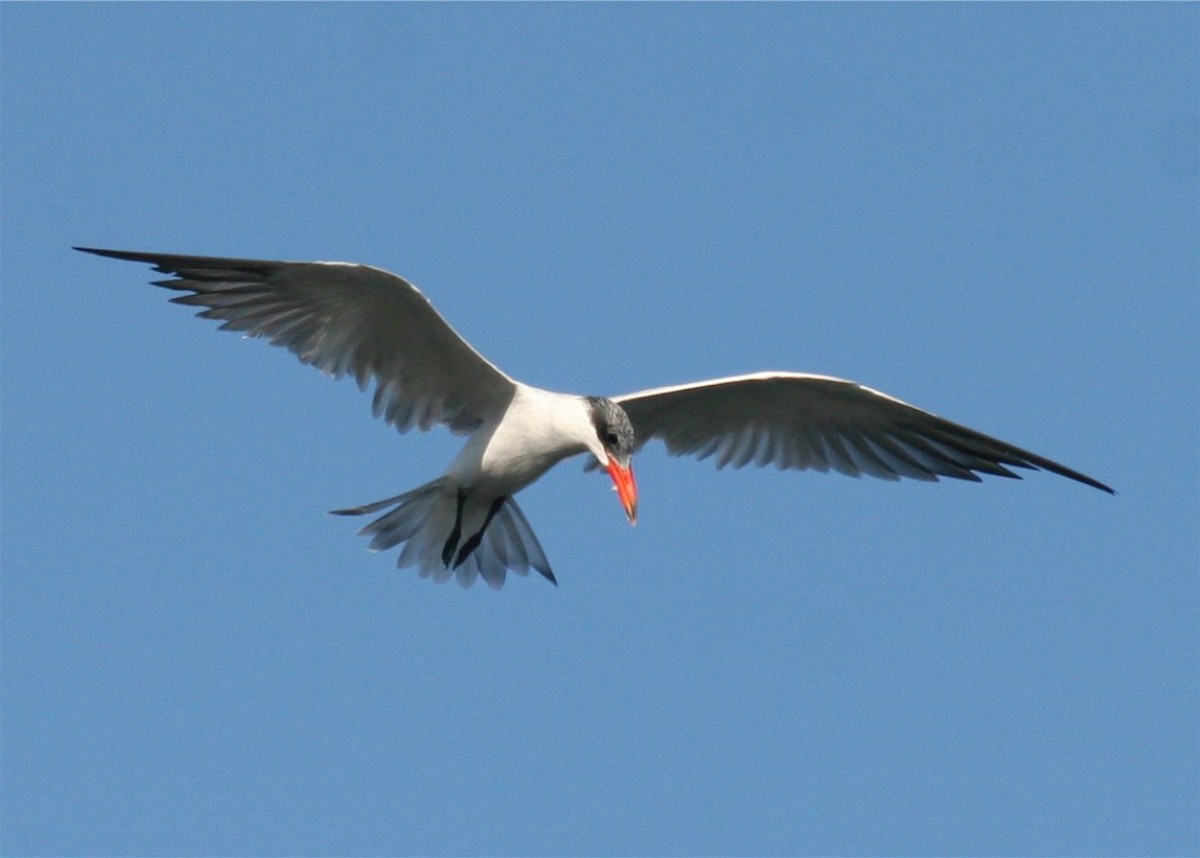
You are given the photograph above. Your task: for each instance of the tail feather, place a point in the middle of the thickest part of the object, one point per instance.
(422, 521)
(518, 535)
(373, 507)
(509, 543)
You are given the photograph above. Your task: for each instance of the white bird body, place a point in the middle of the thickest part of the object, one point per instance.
(353, 319)
(538, 430)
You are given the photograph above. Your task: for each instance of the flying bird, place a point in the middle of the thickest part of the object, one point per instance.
(350, 319)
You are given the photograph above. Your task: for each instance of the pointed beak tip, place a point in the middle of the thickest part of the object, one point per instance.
(629, 503)
(631, 512)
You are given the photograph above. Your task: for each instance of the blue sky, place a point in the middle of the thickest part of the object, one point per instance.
(987, 210)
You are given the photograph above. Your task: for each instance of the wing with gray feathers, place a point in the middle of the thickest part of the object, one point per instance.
(346, 319)
(800, 421)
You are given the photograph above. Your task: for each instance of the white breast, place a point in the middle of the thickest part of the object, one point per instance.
(538, 430)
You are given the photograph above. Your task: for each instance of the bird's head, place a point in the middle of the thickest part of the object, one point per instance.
(614, 449)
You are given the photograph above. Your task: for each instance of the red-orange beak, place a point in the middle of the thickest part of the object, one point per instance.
(622, 478)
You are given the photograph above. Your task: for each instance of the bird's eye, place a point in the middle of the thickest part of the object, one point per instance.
(611, 439)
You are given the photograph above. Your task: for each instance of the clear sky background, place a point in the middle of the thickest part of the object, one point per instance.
(987, 210)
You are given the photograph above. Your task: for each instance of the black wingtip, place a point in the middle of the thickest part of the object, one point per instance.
(1086, 480)
(157, 259)
(126, 255)
(99, 251)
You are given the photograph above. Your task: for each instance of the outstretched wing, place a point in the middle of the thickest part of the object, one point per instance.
(793, 420)
(344, 319)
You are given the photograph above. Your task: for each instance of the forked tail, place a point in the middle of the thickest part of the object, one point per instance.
(427, 521)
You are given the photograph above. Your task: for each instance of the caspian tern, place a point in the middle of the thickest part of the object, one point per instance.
(345, 318)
